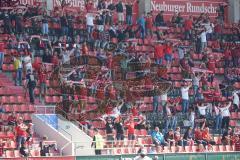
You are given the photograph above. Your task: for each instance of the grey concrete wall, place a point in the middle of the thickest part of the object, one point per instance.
(144, 6)
(234, 10)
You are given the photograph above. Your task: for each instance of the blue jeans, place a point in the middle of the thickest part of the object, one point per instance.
(173, 122)
(185, 105)
(218, 122)
(64, 30)
(143, 31)
(129, 19)
(1, 59)
(155, 104)
(45, 28)
(89, 30)
(167, 124)
(19, 76)
(20, 141)
(159, 61)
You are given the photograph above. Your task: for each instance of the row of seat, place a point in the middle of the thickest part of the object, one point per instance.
(25, 116)
(166, 149)
(19, 108)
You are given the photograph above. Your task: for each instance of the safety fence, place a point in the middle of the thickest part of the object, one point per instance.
(170, 156)
(167, 156)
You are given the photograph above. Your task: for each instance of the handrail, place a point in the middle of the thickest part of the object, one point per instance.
(61, 150)
(82, 127)
(58, 127)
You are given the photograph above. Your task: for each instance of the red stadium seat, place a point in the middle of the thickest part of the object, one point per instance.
(20, 99)
(10, 154)
(11, 67)
(27, 117)
(222, 148)
(5, 99)
(31, 108)
(48, 99)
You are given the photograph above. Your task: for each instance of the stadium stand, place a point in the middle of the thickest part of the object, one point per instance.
(162, 86)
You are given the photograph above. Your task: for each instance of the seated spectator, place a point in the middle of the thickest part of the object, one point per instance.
(169, 138)
(198, 136)
(188, 137)
(158, 138)
(177, 137)
(227, 137)
(207, 137)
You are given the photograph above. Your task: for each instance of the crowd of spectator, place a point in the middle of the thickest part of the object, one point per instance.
(64, 39)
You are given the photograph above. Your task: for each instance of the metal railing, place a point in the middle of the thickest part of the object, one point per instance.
(170, 156)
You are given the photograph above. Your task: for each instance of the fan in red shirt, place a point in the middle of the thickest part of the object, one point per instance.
(211, 64)
(159, 53)
(134, 111)
(198, 135)
(227, 57)
(131, 128)
(149, 20)
(168, 50)
(188, 25)
(21, 134)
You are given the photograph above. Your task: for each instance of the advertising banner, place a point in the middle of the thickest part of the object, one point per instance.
(186, 7)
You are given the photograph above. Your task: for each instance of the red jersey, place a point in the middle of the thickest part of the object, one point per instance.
(211, 65)
(188, 25)
(149, 21)
(20, 131)
(159, 51)
(198, 135)
(42, 77)
(168, 49)
(134, 111)
(131, 127)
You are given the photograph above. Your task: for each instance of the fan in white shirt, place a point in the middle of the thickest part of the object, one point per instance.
(184, 91)
(202, 109)
(225, 110)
